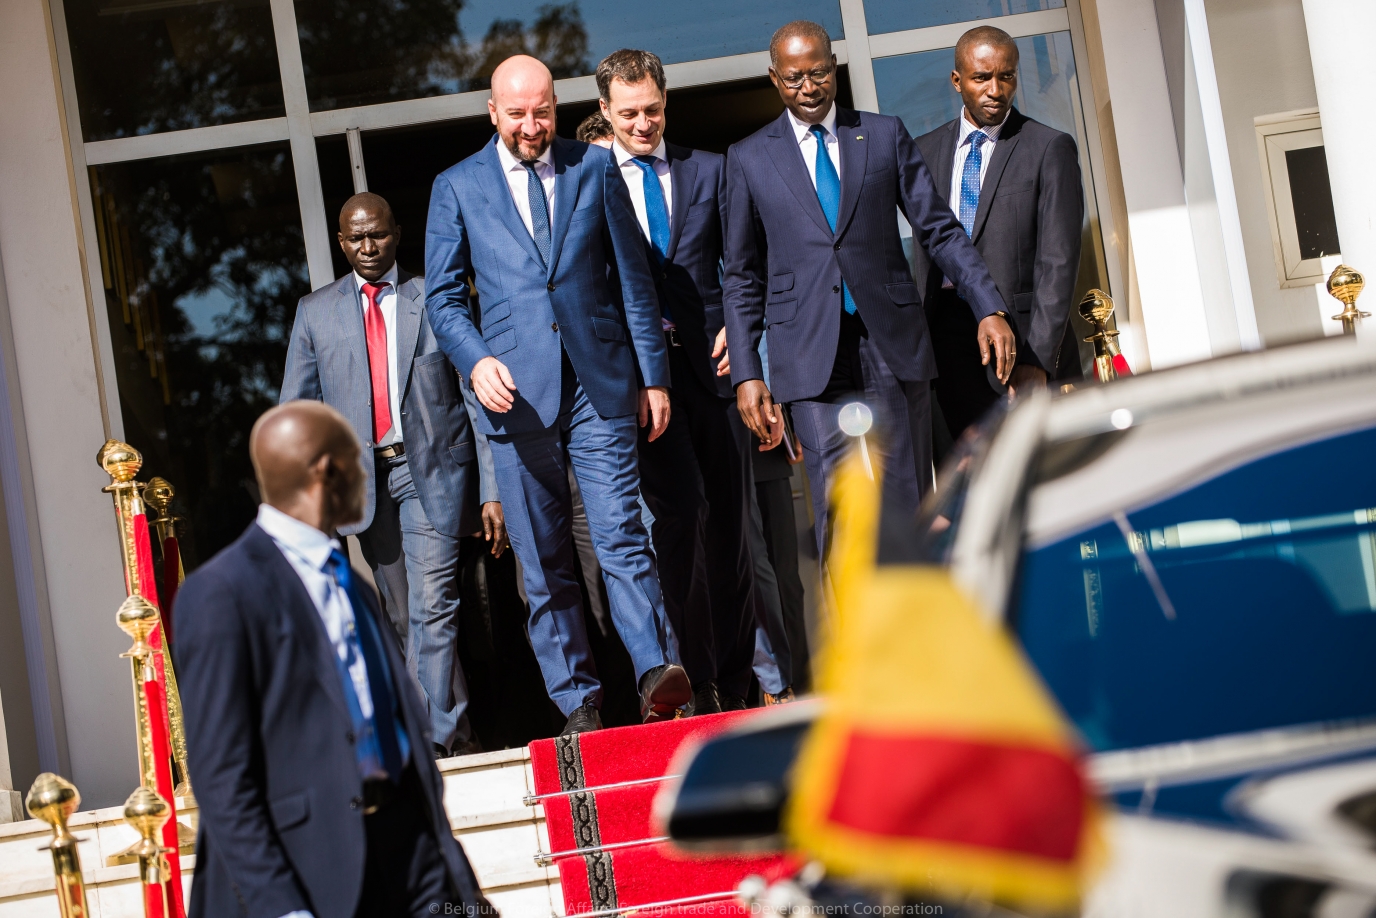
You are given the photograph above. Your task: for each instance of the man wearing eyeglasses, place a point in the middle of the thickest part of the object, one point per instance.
(813, 251)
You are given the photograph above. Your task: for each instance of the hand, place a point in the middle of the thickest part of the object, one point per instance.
(719, 350)
(654, 410)
(758, 411)
(494, 527)
(996, 340)
(776, 432)
(1025, 380)
(493, 385)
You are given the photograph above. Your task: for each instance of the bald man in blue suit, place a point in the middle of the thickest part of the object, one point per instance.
(563, 367)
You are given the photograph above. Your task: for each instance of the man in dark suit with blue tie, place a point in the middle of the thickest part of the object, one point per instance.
(309, 745)
(696, 477)
(813, 250)
(539, 228)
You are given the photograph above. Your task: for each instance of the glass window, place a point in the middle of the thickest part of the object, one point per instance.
(1312, 196)
(1265, 614)
(203, 262)
(142, 67)
(898, 15)
(359, 52)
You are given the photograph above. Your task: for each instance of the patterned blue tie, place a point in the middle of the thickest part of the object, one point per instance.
(656, 215)
(539, 211)
(829, 196)
(381, 740)
(969, 182)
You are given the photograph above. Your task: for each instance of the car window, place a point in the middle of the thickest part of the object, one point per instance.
(1245, 602)
(939, 519)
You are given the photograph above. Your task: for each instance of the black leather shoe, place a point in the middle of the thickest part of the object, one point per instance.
(663, 690)
(468, 747)
(705, 700)
(438, 751)
(584, 719)
(730, 701)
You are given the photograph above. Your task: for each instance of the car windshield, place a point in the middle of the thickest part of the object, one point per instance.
(1243, 603)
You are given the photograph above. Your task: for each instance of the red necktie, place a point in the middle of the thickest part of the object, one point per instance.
(376, 330)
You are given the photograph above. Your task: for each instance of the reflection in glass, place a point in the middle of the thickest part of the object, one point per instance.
(898, 15)
(203, 261)
(1271, 573)
(359, 52)
(142, 67)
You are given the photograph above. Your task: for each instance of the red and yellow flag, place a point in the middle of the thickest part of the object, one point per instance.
(941, 764)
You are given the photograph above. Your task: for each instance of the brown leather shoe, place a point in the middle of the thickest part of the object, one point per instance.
(784, 697)
(663, 690)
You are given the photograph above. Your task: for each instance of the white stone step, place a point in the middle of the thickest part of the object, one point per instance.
(482, 796)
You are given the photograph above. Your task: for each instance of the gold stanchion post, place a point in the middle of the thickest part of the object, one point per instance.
(1345, 285)
(54, 799)
(1096, 308)
(137, 618)
(147, 812)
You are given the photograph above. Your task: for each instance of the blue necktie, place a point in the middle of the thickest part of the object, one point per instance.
(381, 741)
(539, 211)
(969, 182)
(829, 196)
(656, 215)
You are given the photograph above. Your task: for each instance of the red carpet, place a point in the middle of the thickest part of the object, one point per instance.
(637, 875)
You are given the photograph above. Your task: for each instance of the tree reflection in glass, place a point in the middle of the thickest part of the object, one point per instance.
(143, 66)
(203, 263)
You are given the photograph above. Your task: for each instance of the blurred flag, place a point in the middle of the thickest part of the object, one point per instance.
(941, 764)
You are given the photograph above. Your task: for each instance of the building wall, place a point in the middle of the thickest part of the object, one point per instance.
(1261, 55)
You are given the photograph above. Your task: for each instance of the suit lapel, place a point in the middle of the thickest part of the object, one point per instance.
(498, 194)
(349, 306)
(683, 175)
(1007, 142)
(945, 160)
(410, 305)
(306, 625)
(854, 150)
(566, 180)
(788, 160)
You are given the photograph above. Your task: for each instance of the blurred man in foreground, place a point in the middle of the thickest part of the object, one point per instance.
(309, 746)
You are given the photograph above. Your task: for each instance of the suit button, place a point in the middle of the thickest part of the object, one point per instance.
(837, 247)
(349, 735)
(355, 803)
(663, 275)
(836, 289)
(554, 326)
(551, 286)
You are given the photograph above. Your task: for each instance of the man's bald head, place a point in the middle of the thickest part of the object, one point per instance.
(522, 106)
(372, 206)
(306, 457)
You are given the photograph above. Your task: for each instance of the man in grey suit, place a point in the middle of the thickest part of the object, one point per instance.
(363, 345)
(1014, 184)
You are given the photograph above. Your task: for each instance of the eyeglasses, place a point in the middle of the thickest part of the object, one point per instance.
(818, 77)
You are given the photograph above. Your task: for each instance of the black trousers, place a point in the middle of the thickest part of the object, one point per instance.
(696, 479)
(780, 529)
(404, 875)
(964, 387)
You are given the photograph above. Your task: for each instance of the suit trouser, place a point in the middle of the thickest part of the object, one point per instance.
(773, 662)
(902, 438)
(775, 501)
(533, 480)
(696, 479)
(404, 873)
(417, 569)
(962, 386)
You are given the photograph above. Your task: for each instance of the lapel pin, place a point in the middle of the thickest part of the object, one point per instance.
(859, 136)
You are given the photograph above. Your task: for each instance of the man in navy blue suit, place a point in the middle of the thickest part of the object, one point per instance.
(309, 744)
(697, 476)
(524, 240)
(813, 251)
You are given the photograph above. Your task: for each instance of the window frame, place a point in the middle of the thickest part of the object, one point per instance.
(1277, 135)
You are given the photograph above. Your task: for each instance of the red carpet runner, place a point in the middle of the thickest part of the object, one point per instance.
(617, 877)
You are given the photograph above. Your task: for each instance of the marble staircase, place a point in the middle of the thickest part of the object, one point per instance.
(482, 796)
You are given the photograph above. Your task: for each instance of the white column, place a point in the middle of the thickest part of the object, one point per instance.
(1342, 34)
(1168, 288)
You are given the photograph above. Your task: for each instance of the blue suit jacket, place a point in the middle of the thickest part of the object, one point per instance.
(527, 311)
(784, 265)
(327, 360)
(270, 743)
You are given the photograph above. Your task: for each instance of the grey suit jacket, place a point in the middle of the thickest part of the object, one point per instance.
(1028, 228)
(327, 360)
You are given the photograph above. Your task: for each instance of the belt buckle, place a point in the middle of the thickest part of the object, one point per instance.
(671, 336)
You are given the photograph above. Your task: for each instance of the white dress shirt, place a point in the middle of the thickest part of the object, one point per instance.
(517, 181)
(635, 182)
(807, 142)
(387, 302)
(307, 549)
(986, 152)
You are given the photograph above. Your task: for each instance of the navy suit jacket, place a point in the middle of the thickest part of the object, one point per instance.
(476, 238)
(327, 360)
(784, 265)
(270, 743)
(1028, 228)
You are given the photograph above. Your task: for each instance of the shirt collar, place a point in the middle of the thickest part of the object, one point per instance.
(801, 129)
(623, 155)
(511, 164)
(302, 539)
(389, 278)
(967, 127)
